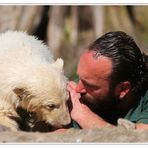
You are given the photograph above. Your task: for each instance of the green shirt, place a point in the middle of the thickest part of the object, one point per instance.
(139, 113)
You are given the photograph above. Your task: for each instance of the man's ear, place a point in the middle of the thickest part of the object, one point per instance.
(21, 93)
(122, 89)
(59, 63)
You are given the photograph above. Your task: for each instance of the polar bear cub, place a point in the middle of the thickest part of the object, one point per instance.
(32, 80)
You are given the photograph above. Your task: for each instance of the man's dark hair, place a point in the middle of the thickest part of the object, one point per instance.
(129, 64)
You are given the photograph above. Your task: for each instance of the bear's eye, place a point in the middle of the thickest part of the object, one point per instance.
(51, 106)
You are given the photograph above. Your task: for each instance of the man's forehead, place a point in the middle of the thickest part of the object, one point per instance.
(97, 65)
(91, 57)
(88, 54)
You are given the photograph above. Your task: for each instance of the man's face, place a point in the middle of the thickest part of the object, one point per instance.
(94, 83)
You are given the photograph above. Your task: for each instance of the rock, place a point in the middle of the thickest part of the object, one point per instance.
(117, 134)
(126, 123)
(4, 128)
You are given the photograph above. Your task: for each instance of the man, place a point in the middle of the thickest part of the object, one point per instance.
(113, 83)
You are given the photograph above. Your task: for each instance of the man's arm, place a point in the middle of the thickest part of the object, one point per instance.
(141, 126)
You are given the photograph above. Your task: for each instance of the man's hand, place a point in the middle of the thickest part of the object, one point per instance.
(78, 109)
(81, 113)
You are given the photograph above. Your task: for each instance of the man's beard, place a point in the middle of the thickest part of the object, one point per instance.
(106, 108)
(104, 103)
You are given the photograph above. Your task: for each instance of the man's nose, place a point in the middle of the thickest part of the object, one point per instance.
(80, 87)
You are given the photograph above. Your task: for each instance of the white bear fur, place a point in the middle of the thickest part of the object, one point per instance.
(30, 78)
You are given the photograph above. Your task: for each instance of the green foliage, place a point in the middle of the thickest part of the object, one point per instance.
(74, 76)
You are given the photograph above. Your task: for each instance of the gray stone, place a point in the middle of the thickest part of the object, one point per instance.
(104, 135)
(126, 123)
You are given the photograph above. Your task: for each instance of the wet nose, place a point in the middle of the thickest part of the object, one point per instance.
(80, 87)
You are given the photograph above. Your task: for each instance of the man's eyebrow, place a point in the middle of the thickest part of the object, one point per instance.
(88, 83)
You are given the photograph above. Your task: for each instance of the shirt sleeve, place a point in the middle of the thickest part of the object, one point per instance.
(139, 113)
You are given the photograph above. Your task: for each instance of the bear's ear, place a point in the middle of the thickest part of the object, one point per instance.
(21, 93)
(59, 63)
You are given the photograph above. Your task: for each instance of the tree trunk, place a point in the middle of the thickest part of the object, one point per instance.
(55, 28)
(74, 32)
(118, 19)
(24, 18)
(98, 20)
(31, 18)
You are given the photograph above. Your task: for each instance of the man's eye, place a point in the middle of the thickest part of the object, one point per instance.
(91, 87)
